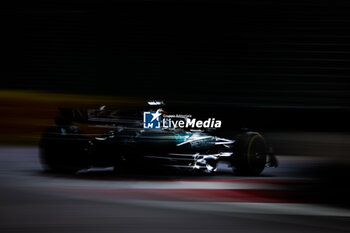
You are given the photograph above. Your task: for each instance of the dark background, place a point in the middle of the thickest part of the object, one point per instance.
(280, 67)
(265, 64)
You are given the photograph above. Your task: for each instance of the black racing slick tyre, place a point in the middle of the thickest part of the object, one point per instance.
(61, 149)
(250, 154)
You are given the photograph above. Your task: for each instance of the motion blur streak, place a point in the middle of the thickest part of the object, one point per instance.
(33, 201)
(25, 114)
(276, 67)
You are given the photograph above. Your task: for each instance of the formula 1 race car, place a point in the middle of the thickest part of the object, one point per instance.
(125, 143)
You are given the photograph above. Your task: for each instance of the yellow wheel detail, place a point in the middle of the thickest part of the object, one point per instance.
(250, 146)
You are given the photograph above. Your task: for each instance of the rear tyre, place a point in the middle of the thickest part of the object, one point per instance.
(249, 154)
(62, 149)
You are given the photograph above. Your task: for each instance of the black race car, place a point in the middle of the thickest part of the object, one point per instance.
(126, 144)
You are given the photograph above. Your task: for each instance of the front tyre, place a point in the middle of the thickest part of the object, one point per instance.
(249, 154)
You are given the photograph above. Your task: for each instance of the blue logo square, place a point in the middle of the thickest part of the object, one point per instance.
(151, 120)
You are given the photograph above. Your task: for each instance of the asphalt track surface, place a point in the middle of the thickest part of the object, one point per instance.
(97, 200)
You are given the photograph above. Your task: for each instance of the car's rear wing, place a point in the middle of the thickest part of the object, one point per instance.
(96, 116)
